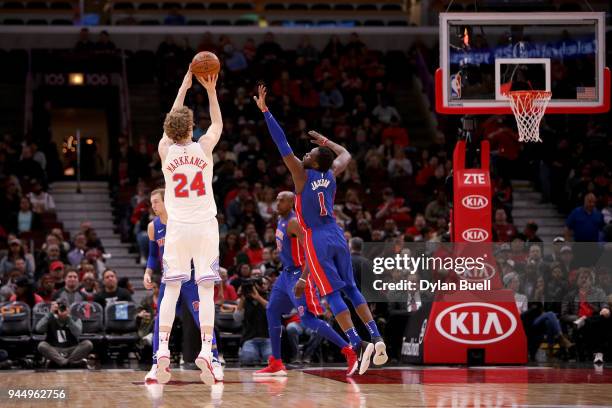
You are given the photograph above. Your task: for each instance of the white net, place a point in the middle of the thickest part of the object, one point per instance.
(529, 108)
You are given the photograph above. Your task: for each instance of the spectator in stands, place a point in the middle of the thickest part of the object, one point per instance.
(229, 249)
(330, 96)
(416, 230)
(9, 279)
(513, 282)
(556, 286)
(84, 44)
(393, 207)
(503, 230)
(62, 345)
(28, 169)
(267, 205)
(396, 133)
(437, 209)
(584, 223)
(42, 202)
(146, 313)
(243, 272)
(295, 329)
(540, 324)
(399, 165)
(125, 283)
(26, 220)
(24, 292)
(70, 293)
(80, 248)
(93, 242)
(64, 245)
(269, 49)
(234, 207)
(251, 313)
(530, 232)
(111, 292)
(46, 287)
(229, 293)
(201, 126)
(11, 199)
(45, 258)
(587, 309)
(16, 255)
(384, 112)
(104, 42)
(57, 272)
(89, 287)
(235, 61)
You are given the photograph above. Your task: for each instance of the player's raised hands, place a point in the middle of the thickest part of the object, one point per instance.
(209, 82)
(260, 99)
(187, 80)
(317, 138)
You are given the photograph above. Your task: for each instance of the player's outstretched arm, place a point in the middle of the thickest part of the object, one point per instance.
(152, 260)
(278, 135)
(211, 138)
(165, 141)
(343, 156)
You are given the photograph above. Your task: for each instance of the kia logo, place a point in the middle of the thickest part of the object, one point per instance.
(475, 235)
(474, 202)
(476, 323)
(479, 274)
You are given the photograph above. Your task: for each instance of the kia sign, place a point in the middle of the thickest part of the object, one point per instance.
(476, 323)
(475, 235)
(474, 202)
(479, 274)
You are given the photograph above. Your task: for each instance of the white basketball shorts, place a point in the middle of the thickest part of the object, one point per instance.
(185, 242)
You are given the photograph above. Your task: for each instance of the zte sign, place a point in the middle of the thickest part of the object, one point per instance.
(475, 235)
(474, 202)
(476, 323)
(474, 178)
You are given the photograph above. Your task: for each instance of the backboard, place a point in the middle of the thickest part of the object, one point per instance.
(485, 55)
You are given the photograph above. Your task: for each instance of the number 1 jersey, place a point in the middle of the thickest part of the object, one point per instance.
(188, 172)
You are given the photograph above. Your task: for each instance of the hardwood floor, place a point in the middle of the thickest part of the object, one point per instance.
(394, 387)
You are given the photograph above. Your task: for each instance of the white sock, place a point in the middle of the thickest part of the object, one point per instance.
(207, 344)
(164, 340)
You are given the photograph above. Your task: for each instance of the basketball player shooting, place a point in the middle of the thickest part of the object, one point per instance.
(192, 231)
(188, 297)
(327, 251)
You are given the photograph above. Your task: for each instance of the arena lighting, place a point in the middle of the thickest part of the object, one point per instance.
(76, 79)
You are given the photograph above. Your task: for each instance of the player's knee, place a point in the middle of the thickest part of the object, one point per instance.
(336, 304)
(207, 284)
(354, 295)
(309, 320)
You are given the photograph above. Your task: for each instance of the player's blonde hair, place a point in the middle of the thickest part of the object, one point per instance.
(178, 123)
(159, 191)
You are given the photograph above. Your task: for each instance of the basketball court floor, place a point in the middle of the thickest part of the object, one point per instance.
(391, 387)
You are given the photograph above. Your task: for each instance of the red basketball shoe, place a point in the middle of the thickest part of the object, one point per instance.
(275, 368)
(351, 360)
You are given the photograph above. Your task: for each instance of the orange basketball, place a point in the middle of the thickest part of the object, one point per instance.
(205, 63)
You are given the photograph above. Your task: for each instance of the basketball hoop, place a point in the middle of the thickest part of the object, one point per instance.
(528, 108)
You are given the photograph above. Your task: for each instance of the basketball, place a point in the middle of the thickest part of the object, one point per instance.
(205, 63)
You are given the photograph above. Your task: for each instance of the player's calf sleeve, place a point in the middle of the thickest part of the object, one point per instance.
(354, 295)
(336, 303)
(275, 330)
(206, 292)
(322, 328)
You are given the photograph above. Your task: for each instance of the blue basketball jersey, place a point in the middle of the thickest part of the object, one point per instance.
(291, 253)
(315, 204)
(159, 235)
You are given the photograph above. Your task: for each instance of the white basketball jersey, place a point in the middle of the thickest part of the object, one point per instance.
(188, 172)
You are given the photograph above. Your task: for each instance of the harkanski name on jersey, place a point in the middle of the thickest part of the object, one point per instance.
(321, 183)
(180, 161)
